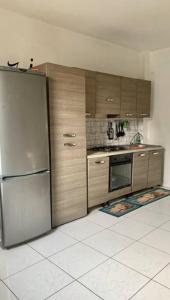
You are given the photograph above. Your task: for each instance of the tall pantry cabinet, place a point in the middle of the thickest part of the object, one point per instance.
(66, 88)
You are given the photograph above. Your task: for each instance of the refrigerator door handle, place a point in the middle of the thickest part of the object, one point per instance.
(8, 178)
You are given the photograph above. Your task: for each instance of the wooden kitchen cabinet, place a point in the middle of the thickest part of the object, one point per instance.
(98, 180)
(155, 168)
(128, 97)
(140, 171)
(107, 94)
(143, 98)
(90, 88)
(66, 88)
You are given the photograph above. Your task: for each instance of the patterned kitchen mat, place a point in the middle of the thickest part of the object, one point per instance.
(149, 196)
(135, 201)
(119, 208)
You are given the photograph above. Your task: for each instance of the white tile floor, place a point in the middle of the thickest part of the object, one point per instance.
(96, 257)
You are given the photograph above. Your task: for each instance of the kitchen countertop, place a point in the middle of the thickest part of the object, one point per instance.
(93, 154)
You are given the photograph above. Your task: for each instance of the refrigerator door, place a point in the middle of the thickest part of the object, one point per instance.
(26, 208)
(23, 124)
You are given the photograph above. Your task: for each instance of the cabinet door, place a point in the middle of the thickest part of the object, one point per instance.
(68, 143)
(143, 98)
(90, 86)
(98, 180)
(128, 97)
(139, 171)
(155, 170)
(107, 94)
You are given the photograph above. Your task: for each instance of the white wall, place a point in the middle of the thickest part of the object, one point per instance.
(159, 125)
(22, 38)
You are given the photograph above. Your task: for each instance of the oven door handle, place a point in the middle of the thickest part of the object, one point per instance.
(120, 163)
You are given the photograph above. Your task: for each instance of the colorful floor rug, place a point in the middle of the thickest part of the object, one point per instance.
(134, 201)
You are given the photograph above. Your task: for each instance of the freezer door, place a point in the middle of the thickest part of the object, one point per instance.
(26, 208)
(23, 124)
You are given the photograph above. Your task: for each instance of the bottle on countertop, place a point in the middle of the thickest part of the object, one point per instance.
(110, 131)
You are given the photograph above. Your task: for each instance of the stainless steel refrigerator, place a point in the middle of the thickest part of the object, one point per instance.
(24, 157)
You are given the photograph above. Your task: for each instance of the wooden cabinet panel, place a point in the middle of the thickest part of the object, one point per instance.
(90, 87)
(143, 98)
(139, 171)
(98, 180)
(155, 169)
(128, 97)
(107, 94)
(68, 142)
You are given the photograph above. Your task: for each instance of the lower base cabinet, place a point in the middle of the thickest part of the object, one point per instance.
(147, 171)
(98, 180)
(139, 171)
(155, 168)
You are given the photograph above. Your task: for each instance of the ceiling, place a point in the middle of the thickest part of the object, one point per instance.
(138, 24)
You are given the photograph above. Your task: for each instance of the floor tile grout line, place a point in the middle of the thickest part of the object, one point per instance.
(107, 254)
(161, 270)
(161, 284)
(53, 294)
(104, 261)
(76, 242)
(158, 249)
(154, 229)
(123, 264)
(140, 289)
(106, 227)
(37, 262)
(62, 269)
(131, 218)
(107, 258)
(10, 290)
(86, 237)
(146, 285)
(131, 237)
(90, 290)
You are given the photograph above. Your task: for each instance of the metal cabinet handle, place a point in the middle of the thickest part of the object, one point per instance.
(109, 99)
(69, 134)
(70, 144)
(141, 155)
(129, 115)
(100, 162)
(155, 153)
(144, 115)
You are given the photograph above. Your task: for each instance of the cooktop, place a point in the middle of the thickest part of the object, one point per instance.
(107, 148)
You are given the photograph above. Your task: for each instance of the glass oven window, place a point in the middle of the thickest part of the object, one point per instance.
(120, 176)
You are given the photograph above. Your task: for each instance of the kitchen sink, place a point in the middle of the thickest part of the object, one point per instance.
(135, 147)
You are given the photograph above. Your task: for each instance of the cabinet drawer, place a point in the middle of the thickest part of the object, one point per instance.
(139, 171)
(155, 169)
(98, 166)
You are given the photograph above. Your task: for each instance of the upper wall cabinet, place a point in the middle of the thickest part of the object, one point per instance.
(128, 97)
(143, 98)
(107, 94)
(90, 87)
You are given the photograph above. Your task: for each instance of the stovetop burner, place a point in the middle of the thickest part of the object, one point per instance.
(108, 148)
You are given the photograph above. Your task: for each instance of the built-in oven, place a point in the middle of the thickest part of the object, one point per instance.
(120, 171)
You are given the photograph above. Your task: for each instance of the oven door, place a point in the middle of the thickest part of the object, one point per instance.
(120, 175)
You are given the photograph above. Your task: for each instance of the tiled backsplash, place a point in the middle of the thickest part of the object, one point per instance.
(96, 130)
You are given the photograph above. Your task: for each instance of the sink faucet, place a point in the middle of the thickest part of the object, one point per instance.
(137, 138)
